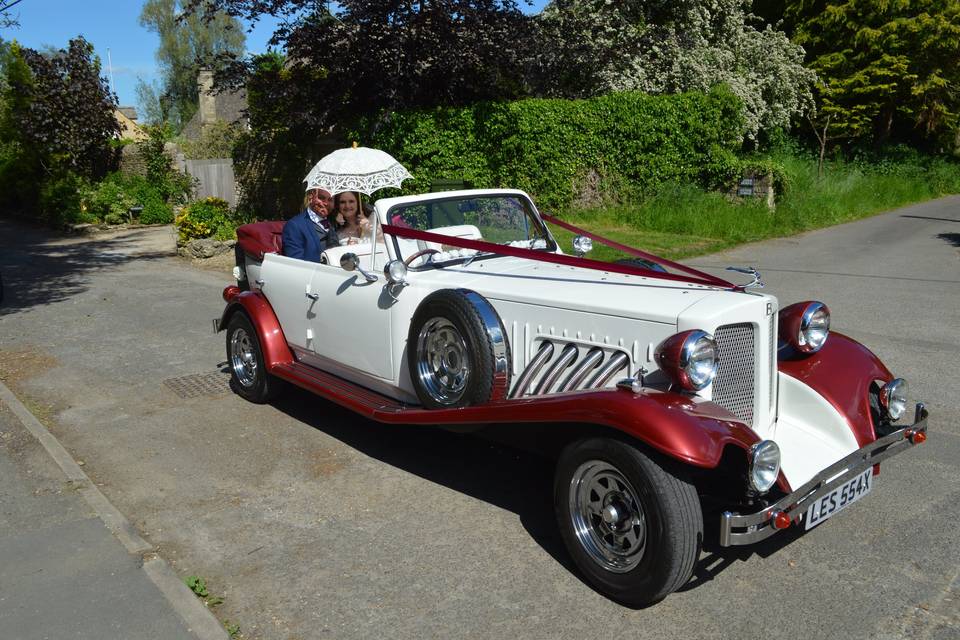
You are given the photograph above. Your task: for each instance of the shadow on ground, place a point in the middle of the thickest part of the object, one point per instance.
(950, 238)
(492, 471)
(39, 267)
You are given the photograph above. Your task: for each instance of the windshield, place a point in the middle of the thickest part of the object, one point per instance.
(502, 219)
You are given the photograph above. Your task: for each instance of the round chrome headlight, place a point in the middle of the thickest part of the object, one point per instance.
(395, 272)
(764, 465)
(805, 326)
(689, 358)
(893, 398)
(814, 326)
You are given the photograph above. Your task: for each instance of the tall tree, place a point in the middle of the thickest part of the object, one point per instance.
(189, 41)
(888, 68)
(373, 55)
(59, 110)
(590, 47)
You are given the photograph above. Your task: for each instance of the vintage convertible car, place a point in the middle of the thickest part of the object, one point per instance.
(670, 397)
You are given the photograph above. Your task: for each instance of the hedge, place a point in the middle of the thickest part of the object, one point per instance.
(562, 152)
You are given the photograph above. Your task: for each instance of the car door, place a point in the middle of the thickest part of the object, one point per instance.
(351, 321)
(286, 285)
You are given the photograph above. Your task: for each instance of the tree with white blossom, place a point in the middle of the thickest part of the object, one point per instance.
(591, 47)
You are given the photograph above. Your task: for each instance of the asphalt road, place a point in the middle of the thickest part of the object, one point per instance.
(312, 523)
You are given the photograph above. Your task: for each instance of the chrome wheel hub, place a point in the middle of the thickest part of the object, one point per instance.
(607, 516)
(443, 362)
(243, 358)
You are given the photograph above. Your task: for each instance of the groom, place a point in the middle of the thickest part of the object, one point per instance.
(310, 233)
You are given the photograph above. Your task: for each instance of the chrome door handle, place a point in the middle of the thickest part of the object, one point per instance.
(313, 296)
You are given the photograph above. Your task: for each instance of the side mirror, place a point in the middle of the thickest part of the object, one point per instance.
(582, 245)
(349, 262)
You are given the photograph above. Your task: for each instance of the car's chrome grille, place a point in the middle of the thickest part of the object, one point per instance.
(773, 360)
(733, 387)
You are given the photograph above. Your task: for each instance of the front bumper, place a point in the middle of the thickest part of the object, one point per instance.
(738, 530)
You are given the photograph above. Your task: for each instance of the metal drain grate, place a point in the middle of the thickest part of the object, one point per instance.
(200, 384)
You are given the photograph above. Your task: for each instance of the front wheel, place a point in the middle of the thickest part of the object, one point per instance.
(248, 373)
(632, 525)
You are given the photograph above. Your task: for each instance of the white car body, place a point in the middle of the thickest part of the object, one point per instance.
(358, 330)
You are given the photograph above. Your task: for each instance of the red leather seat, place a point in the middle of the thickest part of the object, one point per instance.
(258, 238)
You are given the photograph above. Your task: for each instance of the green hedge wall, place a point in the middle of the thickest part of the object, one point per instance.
(565, 152)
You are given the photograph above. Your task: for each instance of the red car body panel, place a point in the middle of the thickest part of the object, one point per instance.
(272, 341)
(842, 372)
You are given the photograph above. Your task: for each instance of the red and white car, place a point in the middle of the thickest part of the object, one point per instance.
(669, 395)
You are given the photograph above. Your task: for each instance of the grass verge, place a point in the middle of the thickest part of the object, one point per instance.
(683, 221)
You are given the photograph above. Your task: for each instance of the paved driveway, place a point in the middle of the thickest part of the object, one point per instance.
(313, 523)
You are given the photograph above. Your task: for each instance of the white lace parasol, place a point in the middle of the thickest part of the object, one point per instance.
(356, 169)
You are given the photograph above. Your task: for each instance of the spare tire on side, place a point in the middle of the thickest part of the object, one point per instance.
(457, 350)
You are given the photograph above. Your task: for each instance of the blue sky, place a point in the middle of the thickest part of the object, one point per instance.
(113, 25)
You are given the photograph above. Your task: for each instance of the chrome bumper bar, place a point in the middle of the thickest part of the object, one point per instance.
(737, 530)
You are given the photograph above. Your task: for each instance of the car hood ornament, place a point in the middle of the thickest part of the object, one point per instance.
(752, 271)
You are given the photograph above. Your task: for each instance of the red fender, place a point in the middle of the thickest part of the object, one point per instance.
(272, 341)
(842, 372)
(695, 433)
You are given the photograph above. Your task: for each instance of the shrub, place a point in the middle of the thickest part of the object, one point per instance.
(111, 199)
(206, 218)
(108, 201)
(60, 202)
(155, 209)
(174, 187)
(631, 142)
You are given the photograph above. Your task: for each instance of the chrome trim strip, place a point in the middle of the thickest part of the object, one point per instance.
(592, 360)
(757, 526)
(602, 377)
(544, 353)
(567, 357)
(493, 327)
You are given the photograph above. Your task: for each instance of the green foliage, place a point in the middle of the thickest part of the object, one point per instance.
(59, 200)
(187, 43)
(110, 200)
(56, 129)
(173, 186)
(217, 140)
(682, 220)
(887, 68)
(633, 142)
(206, 218)
(592, 47)
(199, 587)
(59, 110)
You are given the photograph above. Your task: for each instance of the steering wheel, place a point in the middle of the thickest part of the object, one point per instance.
(419, 254)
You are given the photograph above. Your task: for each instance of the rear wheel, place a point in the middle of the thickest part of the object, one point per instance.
(248, 373)
(632, 525)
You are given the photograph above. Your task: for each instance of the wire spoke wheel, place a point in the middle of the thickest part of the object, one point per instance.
(607, 516)
(443, 364)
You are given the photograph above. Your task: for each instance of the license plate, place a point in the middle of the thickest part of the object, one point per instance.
(839, 499)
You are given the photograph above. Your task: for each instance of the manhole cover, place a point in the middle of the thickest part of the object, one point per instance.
(200, 384)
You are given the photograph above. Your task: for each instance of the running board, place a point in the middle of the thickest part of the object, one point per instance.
(350, 395)
(376, 406)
